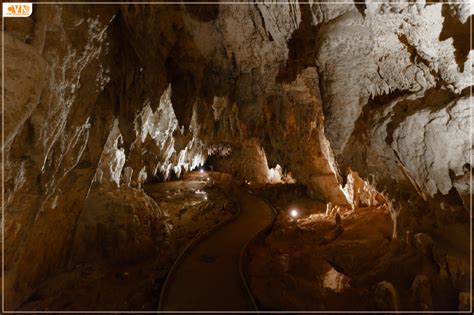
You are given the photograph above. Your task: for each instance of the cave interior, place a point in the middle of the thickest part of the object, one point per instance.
(238, 157)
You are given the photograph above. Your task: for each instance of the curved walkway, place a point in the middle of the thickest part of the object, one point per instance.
(207, 278)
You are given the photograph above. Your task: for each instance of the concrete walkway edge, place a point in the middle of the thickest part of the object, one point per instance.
(243, 253)
(193, 244)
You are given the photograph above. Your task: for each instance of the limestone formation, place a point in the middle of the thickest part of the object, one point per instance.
(364, 105)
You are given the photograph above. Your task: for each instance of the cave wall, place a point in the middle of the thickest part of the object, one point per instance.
(400, 116)
(277, 100)
(55, 135)
(108, 96)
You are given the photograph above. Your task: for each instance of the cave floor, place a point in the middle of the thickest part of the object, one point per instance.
(208, 276)
(312, 262)
(98, 285)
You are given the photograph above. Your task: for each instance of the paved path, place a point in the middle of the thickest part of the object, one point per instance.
(208, 278)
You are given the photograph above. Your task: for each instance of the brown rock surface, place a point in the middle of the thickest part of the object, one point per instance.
(364, 106)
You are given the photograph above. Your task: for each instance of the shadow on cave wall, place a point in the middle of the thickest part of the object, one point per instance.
(203, 13)
(459, 32)
(301, 47)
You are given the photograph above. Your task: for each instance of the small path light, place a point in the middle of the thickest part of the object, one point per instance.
(294, 214)
(201, 171)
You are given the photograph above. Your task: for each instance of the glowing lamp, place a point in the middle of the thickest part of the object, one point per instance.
(201, 171)
(294, 213)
